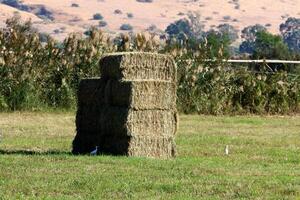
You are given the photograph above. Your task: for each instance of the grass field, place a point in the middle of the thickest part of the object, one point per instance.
(263, 163)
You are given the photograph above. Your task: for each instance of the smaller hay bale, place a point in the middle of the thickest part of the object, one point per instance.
(142, 95)
(138, 66)
(91, 100)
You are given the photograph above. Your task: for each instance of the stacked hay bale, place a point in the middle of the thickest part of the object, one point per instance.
(131, 110)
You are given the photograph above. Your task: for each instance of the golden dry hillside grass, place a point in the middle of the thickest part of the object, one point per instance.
(239, 13)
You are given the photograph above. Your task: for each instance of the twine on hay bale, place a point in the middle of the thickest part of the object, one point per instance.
(131, 109)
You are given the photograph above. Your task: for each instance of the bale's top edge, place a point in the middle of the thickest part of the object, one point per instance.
(145, 81)
(128, 81)
(135, 53)
(92, 78)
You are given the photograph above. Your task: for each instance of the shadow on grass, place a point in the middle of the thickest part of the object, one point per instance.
(30, 152)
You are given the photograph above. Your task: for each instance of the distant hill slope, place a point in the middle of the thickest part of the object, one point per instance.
(8, 12)
(77, 15)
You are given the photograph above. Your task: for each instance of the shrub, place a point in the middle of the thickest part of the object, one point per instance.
(43, 12)
(129, 15)
(152, 28)
(75, 5)
(145, 1)
(97, 16)
(118, 12)
(102, 23)
(126, 27)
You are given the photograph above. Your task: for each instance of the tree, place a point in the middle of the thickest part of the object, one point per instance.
(218, 44)
(290, 31)
(187, 28)
(249, 36)
(179, 28)
(270, 46)
(230, 31)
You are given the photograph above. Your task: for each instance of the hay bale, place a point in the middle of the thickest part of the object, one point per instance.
(129, 122)
(131, 110)
(139, 95)
(89, 118)
(138, 66)
(141, 146)
(119, 123)
(91, 101)
(157, 147)
(91, 92)
(142, 95)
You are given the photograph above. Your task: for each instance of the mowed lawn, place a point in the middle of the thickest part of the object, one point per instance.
(263, 161)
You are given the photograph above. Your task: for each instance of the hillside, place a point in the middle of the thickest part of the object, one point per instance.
(65, 16)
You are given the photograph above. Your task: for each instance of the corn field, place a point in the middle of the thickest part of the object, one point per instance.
(37, 75)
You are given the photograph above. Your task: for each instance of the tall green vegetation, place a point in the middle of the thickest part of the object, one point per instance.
(37, 72)
(219, 88)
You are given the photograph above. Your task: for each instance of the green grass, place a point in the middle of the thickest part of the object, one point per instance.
(264, 161)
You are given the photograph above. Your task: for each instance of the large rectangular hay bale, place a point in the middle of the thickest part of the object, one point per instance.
(129, 122)
(138, 66)
(156, 147)
(90, 118)
(142, 95)
(91, 92)
(141, 146)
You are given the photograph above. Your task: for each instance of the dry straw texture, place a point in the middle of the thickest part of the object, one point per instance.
(145, 146)
(128, 122)
(142, 95)
(138, 95)
(138, 66)
(127, 112)
(163, 147)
